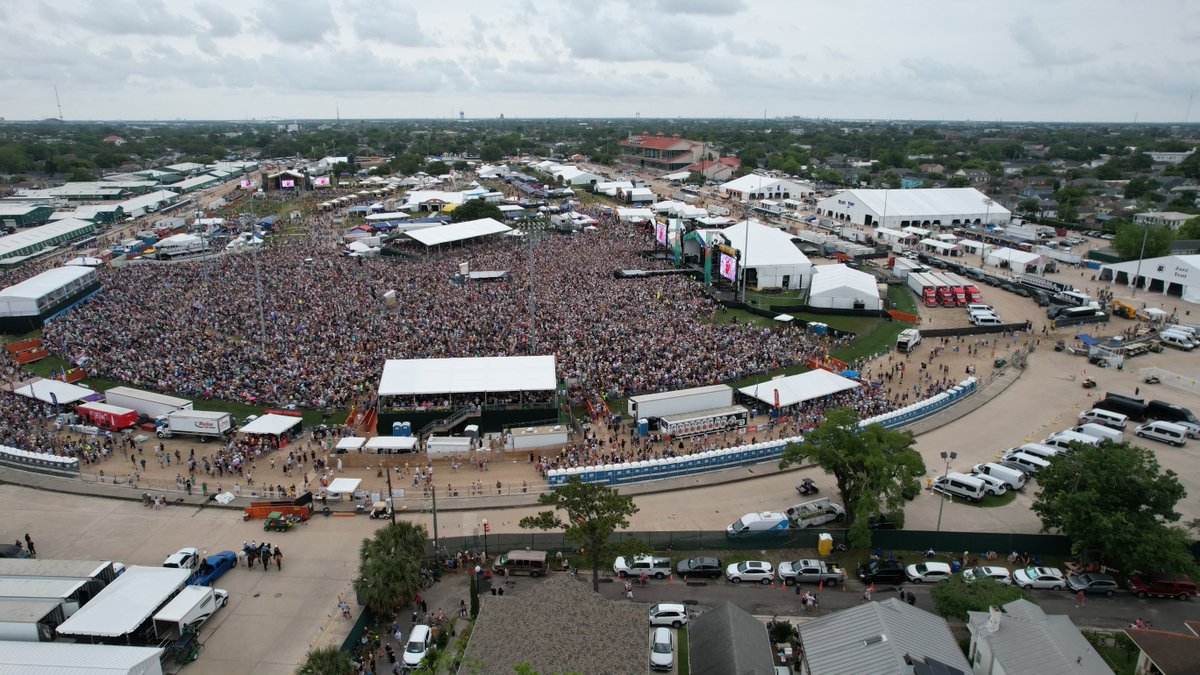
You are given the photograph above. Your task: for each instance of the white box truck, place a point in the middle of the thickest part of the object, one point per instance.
(187, 610)
(203, 423)
(681, 401)
(147, 403)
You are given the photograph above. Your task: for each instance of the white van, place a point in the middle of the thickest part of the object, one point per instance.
(1046, 452)
(1099, 431)
(1176, 340)
(986, 320)
(1064, 439)
(1024, 461)
(992, 485)
(1013, 478)
(960, 485)
(1192, 333)
(1100, 416)
(1167, 432)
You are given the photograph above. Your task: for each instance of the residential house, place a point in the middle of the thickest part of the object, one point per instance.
(881, 638)
(1024, 640)
(932, 168)
(717, 169)
(1165, 653)
(1172, 219)
(729, 640)
(973, 175)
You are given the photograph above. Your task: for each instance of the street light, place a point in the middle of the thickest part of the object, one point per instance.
(946, 457)
(484, 523)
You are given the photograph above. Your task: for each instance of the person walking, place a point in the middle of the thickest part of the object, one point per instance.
(867, 595)
(1080, 597)
(29, 546)
(278, 559)
(629, 590)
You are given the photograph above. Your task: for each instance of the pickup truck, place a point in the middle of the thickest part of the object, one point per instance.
(882, 572)
(811, 572)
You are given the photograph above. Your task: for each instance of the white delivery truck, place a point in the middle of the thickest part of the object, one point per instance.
(203, 423)
(814, 513)
(147, 403)
(758, 523)
(192, 606)
(681, 401)
(908, 339)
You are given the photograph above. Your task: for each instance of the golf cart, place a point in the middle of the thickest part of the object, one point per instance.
(381, 510)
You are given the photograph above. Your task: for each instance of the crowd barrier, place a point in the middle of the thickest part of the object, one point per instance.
(742, 455)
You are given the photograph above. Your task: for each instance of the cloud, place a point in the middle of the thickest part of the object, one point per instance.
(1041, 50)
(393, 24)
(297, 22)
(702, 7)
(221, 22)
(123, 17)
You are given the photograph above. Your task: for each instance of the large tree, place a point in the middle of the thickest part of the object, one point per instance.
(389, 570)
(1128, 243)
(1189, 230)
(955, 597)
(1117, 506)
(474, 209)
(594, 512)
(326, 661)
(874, 467)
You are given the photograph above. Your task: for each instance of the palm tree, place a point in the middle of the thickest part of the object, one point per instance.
(326, 661)
(389, 572)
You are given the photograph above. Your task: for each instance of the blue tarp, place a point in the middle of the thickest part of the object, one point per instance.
(269, 221)
(1087, 340)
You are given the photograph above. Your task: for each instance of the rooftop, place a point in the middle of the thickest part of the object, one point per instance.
(1026, 640)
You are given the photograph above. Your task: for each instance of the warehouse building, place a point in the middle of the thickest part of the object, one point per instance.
(29, 304)
(928, 208)
(24, 215)
(15, 248)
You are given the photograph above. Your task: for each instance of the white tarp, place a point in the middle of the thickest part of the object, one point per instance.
(271, 424)
(799, 388)
(64, 392)
(350, 443)
(125, 603)
(391, 215)
(467, 375)
(390, 444)
(444, 234)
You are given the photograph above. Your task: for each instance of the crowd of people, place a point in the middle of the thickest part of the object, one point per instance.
(299, 324)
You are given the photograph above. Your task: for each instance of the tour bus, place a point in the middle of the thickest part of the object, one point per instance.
(533, 563)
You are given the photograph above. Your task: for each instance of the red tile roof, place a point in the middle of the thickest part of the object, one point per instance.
(658, 143)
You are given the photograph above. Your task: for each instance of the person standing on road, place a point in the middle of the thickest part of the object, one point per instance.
(867, 595)
(278, 559)
(629, 590)
(29, 546)
(1079, 598)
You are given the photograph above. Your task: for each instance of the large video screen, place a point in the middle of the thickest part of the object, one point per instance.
(287, 183)
(728, 267)
(660, 233)
(321, 181)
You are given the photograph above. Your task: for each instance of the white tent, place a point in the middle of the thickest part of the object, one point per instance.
(444, 234)
(51, 391)
(343, 486)
(770, 252)
(799, 388)
(1179, 273)
(1017, 261)
(350, 443)
(386, 445)
(125, 603)
(840, 287)
(271, 424)
(56, 658)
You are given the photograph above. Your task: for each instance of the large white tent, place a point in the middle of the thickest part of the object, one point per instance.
(841, 287)
(271, 425)
(794, 389)
(125, 603)
(403, 377)
(1173, 274)
(386, 445)
(1017, 261)
(57, 658)
(926, 208)
(470, 229)
(769, 251)
(54, 391)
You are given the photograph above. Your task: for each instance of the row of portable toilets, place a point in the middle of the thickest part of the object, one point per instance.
(755, 453)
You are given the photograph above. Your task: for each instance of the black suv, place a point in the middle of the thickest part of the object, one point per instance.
(882, 572)
(700, 567)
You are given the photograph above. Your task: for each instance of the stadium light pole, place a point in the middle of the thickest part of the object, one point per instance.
(947, 457)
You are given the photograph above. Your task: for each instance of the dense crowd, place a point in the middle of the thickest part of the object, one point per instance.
(298, 323)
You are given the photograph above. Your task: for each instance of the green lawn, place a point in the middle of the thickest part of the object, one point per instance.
(682, 667)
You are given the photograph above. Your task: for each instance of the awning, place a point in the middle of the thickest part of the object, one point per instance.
(344, 485)
(271, 424)
(350, 443)
(785, 318)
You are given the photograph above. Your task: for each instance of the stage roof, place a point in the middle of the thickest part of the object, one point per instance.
(467, 375)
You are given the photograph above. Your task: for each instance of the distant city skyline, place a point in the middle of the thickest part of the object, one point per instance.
(1024, 60)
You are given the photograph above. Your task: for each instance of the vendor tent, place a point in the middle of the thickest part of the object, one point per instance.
(54, 391)
(794, 389)
(343, 486)
(386, 445)
(1018, 261)
(350, 443)
(271, 425)
(841, 287)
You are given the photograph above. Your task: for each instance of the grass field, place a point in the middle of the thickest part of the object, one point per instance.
(682, 667)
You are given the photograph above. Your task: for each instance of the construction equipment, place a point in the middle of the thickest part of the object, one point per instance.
(1123, 309)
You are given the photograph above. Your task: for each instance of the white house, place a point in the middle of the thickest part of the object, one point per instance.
(925, 208)
(1172, 219)
(1024, 640)
(768, 256)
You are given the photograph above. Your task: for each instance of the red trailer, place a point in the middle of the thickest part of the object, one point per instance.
(110, 417)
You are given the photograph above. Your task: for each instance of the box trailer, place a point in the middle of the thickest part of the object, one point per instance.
(956, 293)
(681, 401)
(70, 593)
(191, 607)
(717, 420)
(147, 403)
(30, 620)
(972, 290)
(106, 416)
(925, 288)
(203, 423)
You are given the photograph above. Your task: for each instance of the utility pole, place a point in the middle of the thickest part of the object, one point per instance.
(391, 505)
(437, 554)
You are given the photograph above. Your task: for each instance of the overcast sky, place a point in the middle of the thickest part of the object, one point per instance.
(1067, 60)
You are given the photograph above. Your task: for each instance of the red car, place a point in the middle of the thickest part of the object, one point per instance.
(1181, 588)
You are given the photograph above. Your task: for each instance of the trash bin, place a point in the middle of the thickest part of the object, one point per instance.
(825, 544)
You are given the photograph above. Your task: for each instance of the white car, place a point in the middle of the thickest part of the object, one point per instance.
(1039, 577)
(651, 566)
(668, 614)
(927, 571)
(184, 558)
(418, 645)
(662, 650)
(992, 485)
(750, 570)
(998, 574)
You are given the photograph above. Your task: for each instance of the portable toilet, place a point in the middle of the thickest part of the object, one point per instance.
(472, 431)
(404, 429)
(824, 544)
(643, 427)
(818, 327)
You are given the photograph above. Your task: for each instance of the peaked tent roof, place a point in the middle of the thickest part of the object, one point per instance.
(848, 641)
(764, 245)
(799, 388)
(729, 640)
(444, 234)
(829, 278)
(931, 202)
